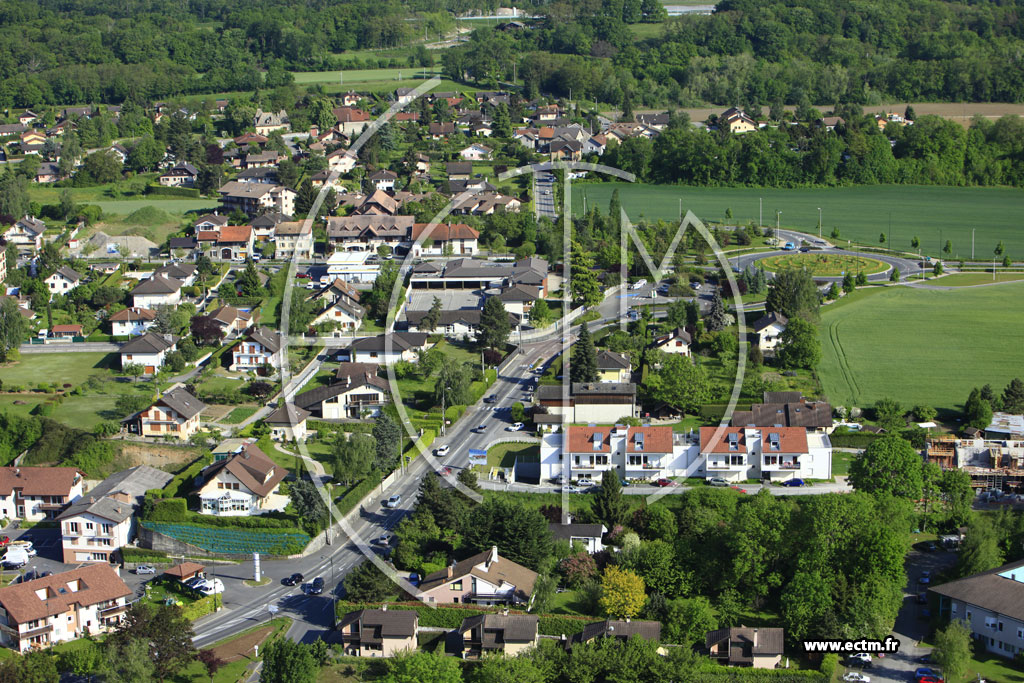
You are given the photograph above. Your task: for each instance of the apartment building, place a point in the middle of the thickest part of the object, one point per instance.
(991, 605)
(53, 609)
(37, 493)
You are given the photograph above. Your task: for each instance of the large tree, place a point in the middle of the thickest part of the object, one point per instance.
(353, 456)
(13, 327)
(793, 294)
(286, 661)
(206, 330)
(494, 324)
(977, 410)
(388, 437)
(167, 631)
(366, 583)
(583, 285)
(423, 667)
(953, 649)
(432, 319)
(678, 383)
(609, 505)
(521, 533)
(622, 593)
(308, 504)
(583, 361)
(799, 345)
(716, 318)
(889, 465)
(1013, 396)
(453, 383)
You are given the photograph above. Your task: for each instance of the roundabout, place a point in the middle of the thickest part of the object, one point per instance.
(824, 263)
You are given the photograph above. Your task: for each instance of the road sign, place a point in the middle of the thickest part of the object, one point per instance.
(272, 609)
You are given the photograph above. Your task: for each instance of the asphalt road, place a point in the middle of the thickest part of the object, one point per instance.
(544, 196)
(906, 267)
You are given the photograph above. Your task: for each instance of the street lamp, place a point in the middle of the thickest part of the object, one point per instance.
(777, 215)
(819, 222)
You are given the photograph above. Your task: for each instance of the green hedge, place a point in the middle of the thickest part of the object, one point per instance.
(724, 674)
(184, 479)
(169, 510)
(715, 411)
(852, 440)
(173, 191)
(322, 427)
(452, 616)
(351, 498)
(425, 440)
(129, 554)
(199, 608)
(828, 665)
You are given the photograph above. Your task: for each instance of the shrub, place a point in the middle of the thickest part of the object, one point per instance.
(169, 510)
(828, 664)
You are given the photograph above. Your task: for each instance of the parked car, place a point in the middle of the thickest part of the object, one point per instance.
(317, 587)
(922, 598)
(923, 671)
(859, 659)
(930, 679)
(443, 450)
(514, 427)
(212, 587)
(569, 488)
(383, 539)
(145, 569)
(491, 399)
(414, 579)
(794, 482)
(925, 578)
(394, 501)
(585, 481)
(639, 284)
(925, 659)
(195, 581)
(717, 481)
(856, 677)
(664, 482)
(293, 580)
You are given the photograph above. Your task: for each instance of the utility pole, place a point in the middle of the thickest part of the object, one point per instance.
(890, 230)
(777, 215)
(760, 223)
(972, 243)
(819, 222)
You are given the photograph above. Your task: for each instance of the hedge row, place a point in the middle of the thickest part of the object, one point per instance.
(137, 555)
(199, 608)
(183, 479)
(451, 617)
(852, 440)
(323, 427)
(351, 498)
(173, 191)
(723, 674)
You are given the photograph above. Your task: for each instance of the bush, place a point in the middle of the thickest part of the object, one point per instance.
(828, 664)
(162, 190)
(852, 439)
(142, 555)
(169, 510)
(199, 608)
(351, 498)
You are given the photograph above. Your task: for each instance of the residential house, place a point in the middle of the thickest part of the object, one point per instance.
(548, 112)
(759, 647)
(351, 121)
(444, 239)
(338, 303)
(97, 525)
(487, 203)
(595, 144)
(185, 571)
(48, 172)
(454, 324)
(769, 329)
(33, 494)
(367, 233)
(260, 346)
(587, 535)
(991, 605)
(351, 98)
(786, 409)
(830, 122)
(379, 632)
(736, 121)
(258, 173)
(677, 341)
(293, 239)
(356, 392)
(52, 609)
(459, 170)
(519, 299)
(383, 179)
(231, 320)
(131, 321)
(260, 160)
(63, 280)
(175, 413)
(440, 130)
(181, 175)
(266, 122)
(159, 290)
(32, 140)
(119, 151)
(768, 453)
(388, 349)
(632, 453)
(619, 629)
(405, 95)
(211, 221)
(476, 152)
(467, 273)
(422, 163)
(507, 634)
(1005, 426)
(483, 579)
(183, 247)
(148, 350)
(66, 331)
(27, 117)
(263, 225)
(613, 367)
(26, 233)
(255, 198)
(288, 423)
(378, 203)
(656, 121)
(246, 483)
(565, 150)
(251, 139)
(353, 266)
(228, 243)
(590, 401)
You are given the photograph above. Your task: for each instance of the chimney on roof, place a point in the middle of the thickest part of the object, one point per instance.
(493, 556)
(17, 471)
(384, 608)
(755, 637)
(450, 567)
(627, 620)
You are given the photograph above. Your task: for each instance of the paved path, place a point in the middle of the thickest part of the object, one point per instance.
(926, 284)
(839, 486)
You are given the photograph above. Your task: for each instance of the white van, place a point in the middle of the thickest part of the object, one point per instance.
(639, 284)
(15, 557)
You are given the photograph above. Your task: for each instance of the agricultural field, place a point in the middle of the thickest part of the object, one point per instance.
(975, 279)
(374, 80)
(919, 345)
(933, 214)
(822, 264)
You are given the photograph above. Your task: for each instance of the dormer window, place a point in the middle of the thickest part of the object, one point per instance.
(598, 440)
(734, 442)
(773, 441)
(638, 441)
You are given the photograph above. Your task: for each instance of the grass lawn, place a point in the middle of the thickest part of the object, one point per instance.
(860, 213)
(841, 463)
(568, 602)
(505, 454)
(969, 279)
(73, 368)
(825, 264)
(919, 346)
(239, 414)
(988, 667)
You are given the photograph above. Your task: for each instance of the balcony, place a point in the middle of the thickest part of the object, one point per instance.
(42, 630)
(592, 466)
(718, 466)
(785, 465)
(113, 610)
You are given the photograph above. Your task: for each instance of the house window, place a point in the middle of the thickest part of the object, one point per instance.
(73, 528)
(735, 459)
(456, 585)
(968, 615)
(88, 526)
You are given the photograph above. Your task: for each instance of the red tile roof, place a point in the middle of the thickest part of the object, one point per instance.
(710, 442)
(227, 233)
(350, 115)
(67, 328)
(96, 583)
(581, 439)
(38, 481)
(444, 231)
(655, 439)
(791, 439)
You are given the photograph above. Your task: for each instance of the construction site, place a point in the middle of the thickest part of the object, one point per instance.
(991, 464)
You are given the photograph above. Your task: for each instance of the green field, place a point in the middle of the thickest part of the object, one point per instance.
(73, 368)
(824, 264)
(920, 346)
(971, 279)
(374, 79)
(861, 213)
